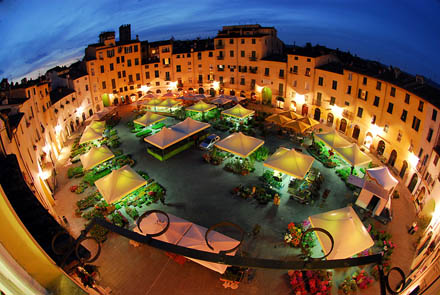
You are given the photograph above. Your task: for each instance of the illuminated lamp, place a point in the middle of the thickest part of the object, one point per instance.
(79, 110)
(58, 129)
(173, 85)
(375, 130)
(259, 88)
(46, 149)
(300, 98)
(216, 85)
(413, 160)
(144, 88)
(44, 175)
(337, 110)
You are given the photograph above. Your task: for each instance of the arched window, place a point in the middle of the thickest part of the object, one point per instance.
(403, 169)
(413, 182)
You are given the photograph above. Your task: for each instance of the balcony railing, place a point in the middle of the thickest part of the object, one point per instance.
(219, 46)
(220, 57)
(166, 65)
(348, 115)
(253, 58)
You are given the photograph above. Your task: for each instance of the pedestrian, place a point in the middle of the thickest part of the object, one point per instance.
(413, 228)
(276, 200)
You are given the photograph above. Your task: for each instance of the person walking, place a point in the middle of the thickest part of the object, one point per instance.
(413, 228)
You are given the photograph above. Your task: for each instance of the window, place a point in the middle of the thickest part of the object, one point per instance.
(103, 85)
(281, 89)
(123, 74)
(266, 71)
(156, 74)
(130, 78)
(113, 83)
(110, 53)
(360, 111)
(254, 54)
(404, 115)
(167, 76)
(420, 153)
(393, 92)
(386, 128)
(210, 54)
(231, 53)
(111, 67)
(364, 81)
(379, 85)
(231, 41)
(332, 100)
(135, 48)
(376, 101)
(347, 103)
(188, 55)
(434, 115)
(178, 68)
(416, 123)
(420, 108)
(242, 81)
(294, 83)
(232, 80)
(122, 59)
(242, 41)
(295, 69)
(335, 84)
(102, 69)
(407, 97)
(430, 132)
(128, 49)
(147, 75)
(350, 76)
(349, 89)
(253, 41)
(281, 73)
(318, 98)
(436, 160)
(390, 107)
(199, 55)
(373, 119)
(128, 62)
(296, 57)
(307, 72)
(362, 94)
(242, 53)
(320, 81)
(309, 60)
(136, 61)
(138, 76)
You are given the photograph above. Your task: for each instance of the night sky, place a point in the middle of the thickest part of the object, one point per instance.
(37, 35)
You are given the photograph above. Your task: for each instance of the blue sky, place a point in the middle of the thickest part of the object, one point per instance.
(37, 35)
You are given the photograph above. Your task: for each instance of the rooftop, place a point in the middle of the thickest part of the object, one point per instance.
(276, 57)
(59, 93)
(308, 50)
(195, 45)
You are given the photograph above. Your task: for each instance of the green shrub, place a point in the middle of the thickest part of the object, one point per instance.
(261, 154)
(93, 176)
(75, 171)
(132, 212)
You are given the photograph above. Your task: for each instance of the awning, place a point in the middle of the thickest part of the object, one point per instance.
(154, 102)
(333, 139)
(169, 103)
(220, 100)
(100, 115)
(278, 119)
(349, 234)
(290, 115)
(90, 134)
(190, 126)
(98, 126)
(297, 126)
(290, 162)
(240, 144)
(238, 112)
(201, 107)
(353, 155)
(149, 119)
(309, 121)
(383, 177)
(119, 183)
(170, 94)
(96, 156)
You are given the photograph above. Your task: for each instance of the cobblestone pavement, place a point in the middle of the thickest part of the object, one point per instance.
(200, 193)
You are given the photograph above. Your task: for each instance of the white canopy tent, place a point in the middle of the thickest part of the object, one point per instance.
(119, 183)
(90, 134)
(96, 156)
(149, 119)
(220, 100)
(290, 162)
(195, 239)
(238, 112)
(349, 234)
(383, 177)
(332, 139)
(353, 155)
(190, 126)
(240, 144)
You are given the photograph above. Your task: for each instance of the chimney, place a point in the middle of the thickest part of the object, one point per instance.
(125, 33)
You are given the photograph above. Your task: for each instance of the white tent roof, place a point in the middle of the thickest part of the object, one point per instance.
(353, 155)
(383, 177)
(349, 234)
(240, 144)
(90, 134)
(190, 126)
(201, 106)
(98, 116)
(165, 138)
(119, 183)
(169, 102)
(149, 95)
(195, 239)
(236, 98)
(290, 162)
(96, 156)
(170, 94)
(333, 139)
(98, 126)
(149, 118)
(155, 223)
(238, 111)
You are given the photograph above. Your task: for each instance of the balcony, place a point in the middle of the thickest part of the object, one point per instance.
(347, 115)
(200, 81)
(220, 69)
(253, 71)
(219, 46)
(220, 57)
(253, 58)
(317, 103)
(166, 65)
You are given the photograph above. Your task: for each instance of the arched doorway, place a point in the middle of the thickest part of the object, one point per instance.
(90, 112)
(212, 92)
(115, 101)
(356, 132)
(83, 116)
(242, 93)
(77, 122)
(413, 182)
(343, 126)
(392, 159)
(266, 95)
(330, 119)
(201, 90)
(421, 197)
(380, 147)
(72, 127)
(305, 110)
(403, 169)
(253, 96)
(231, 92)
(317, 115)
(221, 91)
(368, 140)
(158, 91)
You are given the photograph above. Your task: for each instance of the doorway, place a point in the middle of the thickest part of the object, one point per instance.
(380, 147)
(403, 169)
(374, 201)
(392, 159)
(413, 182)
(356, 132)
(343, 126)
(330, 119)
(317, 115)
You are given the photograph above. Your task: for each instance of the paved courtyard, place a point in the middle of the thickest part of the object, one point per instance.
(200, 193)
